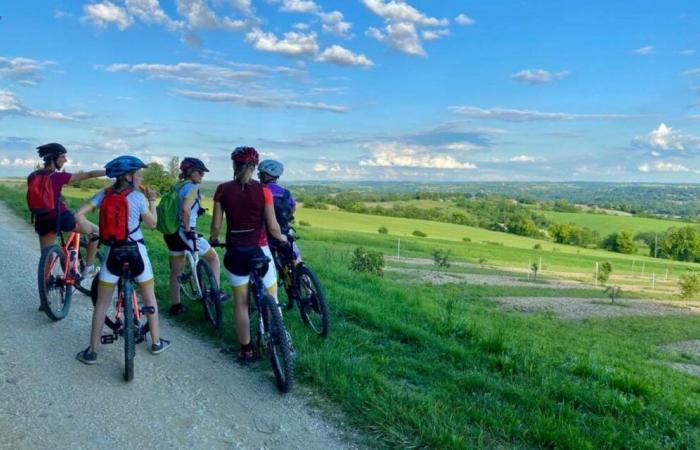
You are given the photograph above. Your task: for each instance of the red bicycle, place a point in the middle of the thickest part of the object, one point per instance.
(60, 272)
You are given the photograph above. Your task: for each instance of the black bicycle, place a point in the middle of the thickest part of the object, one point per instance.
(126, 319)
(302, 287)
(268, 332)
(197, 282)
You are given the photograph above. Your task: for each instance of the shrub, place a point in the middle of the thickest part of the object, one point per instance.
(537, 246)
(369, 261)
(613, 292)
(690, 284)
(466, 239)
(604, 272)
(534, 268)
(304, 223)
(419, 233)
(382, 230)
(441, 258)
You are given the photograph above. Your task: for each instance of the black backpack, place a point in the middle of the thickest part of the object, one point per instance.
(283, 212)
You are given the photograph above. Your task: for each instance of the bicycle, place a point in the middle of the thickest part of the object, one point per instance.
(197, 282)
(302, 286)
(268, 332)
(60, 270)
(126, 305)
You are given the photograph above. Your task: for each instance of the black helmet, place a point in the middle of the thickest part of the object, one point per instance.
(51, 150)
(189, 164)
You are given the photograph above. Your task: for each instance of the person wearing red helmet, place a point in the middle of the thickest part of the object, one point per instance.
(189, 209)
(250, 215)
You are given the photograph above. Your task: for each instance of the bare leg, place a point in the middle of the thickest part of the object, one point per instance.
(149, 299)
(240, 314)
(90, 229)
(213, 259)
(177, 263)
(47, 240)
(104, 297)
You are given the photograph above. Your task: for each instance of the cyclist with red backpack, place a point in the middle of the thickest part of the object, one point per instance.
(250, 215)
(123, 208)
(49, 212)
(189, 208)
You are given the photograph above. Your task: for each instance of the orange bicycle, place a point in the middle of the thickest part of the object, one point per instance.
(60, 272)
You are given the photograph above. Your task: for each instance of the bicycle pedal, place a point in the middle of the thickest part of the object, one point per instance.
(108, 339)
(148, 310)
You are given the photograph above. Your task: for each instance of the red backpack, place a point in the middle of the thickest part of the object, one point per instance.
(40, 197)
(114, 217)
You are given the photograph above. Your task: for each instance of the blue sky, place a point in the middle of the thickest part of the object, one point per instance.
(359, 89)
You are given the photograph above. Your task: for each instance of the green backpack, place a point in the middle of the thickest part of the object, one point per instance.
(168, 219)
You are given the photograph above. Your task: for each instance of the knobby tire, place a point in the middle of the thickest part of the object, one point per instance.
(54, 295)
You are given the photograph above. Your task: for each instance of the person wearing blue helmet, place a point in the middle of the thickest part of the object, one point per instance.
(140, 209)
(269, 172)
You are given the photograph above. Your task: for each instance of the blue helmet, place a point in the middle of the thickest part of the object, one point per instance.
(271, 167)
(122, 165)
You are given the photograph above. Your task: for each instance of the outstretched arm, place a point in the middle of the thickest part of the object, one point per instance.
(80, 176)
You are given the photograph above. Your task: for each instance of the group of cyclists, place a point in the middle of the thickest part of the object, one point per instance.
(251, 209)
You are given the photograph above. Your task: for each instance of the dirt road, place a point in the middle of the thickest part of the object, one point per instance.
(191, 396)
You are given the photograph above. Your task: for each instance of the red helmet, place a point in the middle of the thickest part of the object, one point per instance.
(245, 155)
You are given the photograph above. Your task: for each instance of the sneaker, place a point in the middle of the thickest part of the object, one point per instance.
(248, 357)
(86, 356)
(89, 271)
(177, 309)
(160, 348)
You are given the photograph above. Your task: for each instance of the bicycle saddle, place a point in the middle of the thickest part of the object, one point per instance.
(258, 262)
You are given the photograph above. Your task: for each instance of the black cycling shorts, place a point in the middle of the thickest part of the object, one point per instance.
(66, 222)
(174, 242)
(236, 260)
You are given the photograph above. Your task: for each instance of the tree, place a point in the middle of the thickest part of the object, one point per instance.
(156, 177)
(174, 167)
(682, 244)
(690, 284)
(604, 272)
(621, 242)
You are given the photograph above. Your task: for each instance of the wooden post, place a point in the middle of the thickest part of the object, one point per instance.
(633, 261)
(398, 249)
(595, 274)
(540, 266)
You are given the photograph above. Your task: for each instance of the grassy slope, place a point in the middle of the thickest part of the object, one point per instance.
(608, 223)
(441, 367)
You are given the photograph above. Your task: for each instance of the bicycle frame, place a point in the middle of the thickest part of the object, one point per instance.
(70, 248)
(192, 258)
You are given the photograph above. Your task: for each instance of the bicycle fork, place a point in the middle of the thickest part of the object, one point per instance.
(118, 326)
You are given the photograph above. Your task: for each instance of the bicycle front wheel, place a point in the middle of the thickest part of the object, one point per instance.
(83, 284)
(312, 301)
(54, 294)
(127, 294)
(188, 283)
(278, 344)
(211, 302)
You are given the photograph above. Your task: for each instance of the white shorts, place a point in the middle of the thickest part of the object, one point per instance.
(146, 276)
(202, 245)
(269, 279)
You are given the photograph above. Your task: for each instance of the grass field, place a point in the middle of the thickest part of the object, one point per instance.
(440, 366)
(608, 223)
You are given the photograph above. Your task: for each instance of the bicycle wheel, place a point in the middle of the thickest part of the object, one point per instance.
(312, 301)
(84, 284)
(211, 303)
(188, 284)
(278, 344)
(129, 338)
(54, 294)
(289, 290)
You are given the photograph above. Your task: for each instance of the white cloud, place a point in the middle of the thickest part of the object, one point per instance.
(646, 50)
(687, 52)
(300, 6)
(662, 166)
(665, 138)
(519, 115)
(9, 104)
(399, 11)
(333, 23)
(539, 76)
(22, 70)
(431, 35)
(200, 16)
(397, 154)
(464, 20)
(692, 72)
(106, 13)
(150, 11)
(17, 162)
(523, 159)
(194, 73)
(401, 35)
(257, 101)
(116, 145)
(293, 43)
(339, 55)
(301, 26)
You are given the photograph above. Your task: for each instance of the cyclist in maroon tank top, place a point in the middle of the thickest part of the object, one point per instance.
(250, 214)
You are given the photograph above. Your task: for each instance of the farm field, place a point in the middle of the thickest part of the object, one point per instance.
(608, 223)
(419, 364)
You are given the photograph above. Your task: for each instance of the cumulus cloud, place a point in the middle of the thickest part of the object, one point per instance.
(200, 16)
(24, 71)
(193, 73)
(523, 159)
(662, 166)
(539, 76)
(107, 13)
(401, 23)
(149, 11)
(258, 101)
(431, 35)
(332, 22)
(464, 20)
(10, 105)
(397, 154)
(520, 115)
(339, 55)
(665, 138)
(646, 50)
(17, 162)
(300, 6)
(292, 44)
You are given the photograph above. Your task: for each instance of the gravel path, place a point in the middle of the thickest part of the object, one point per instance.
(191, 396)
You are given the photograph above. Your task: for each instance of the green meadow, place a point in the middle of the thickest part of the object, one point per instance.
(420, 365)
